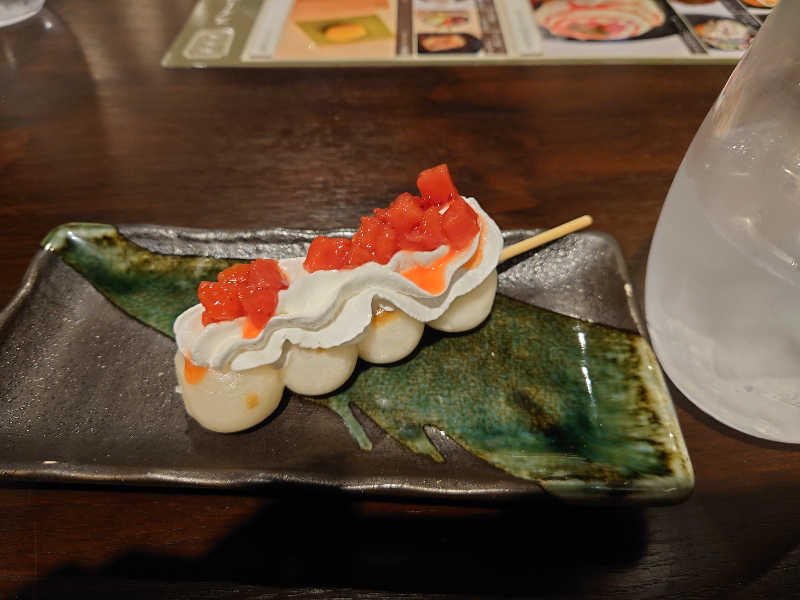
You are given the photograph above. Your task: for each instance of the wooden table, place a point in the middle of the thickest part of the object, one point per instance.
(93, 129)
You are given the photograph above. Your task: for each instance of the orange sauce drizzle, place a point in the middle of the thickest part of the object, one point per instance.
(251, 400)
(249, 330)
(476, 258)
(382, 317)
(430, 277)
(191, 372)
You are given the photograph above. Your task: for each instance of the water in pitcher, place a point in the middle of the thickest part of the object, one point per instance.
(722, 295)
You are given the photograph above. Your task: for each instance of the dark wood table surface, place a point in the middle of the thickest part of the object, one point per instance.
(93, 129)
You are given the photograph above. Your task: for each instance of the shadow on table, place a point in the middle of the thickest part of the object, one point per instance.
(321, 546)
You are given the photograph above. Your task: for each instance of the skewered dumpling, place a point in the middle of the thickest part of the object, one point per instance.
(302, 323)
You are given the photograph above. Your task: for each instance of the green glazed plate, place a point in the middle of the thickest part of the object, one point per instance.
(557, 392)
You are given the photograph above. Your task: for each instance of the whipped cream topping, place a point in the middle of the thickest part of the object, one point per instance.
(325, 309)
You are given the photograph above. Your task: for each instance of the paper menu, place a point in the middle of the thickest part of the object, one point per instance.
(264, 33)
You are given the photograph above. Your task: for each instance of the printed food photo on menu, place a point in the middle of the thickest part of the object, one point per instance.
(721, 33)
(599, 20)
(339, 30)
(761, 3)
(448, 43)
(450, 27)
(444, 20)
(723, 27)
(608, 28)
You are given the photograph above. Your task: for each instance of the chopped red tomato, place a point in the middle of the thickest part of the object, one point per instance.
(327, 254)
(436, 187)
(236, 274)
(374, 241)
(359, 256)
(460, 223)
(259, 303)
(220, 300)
(404, 214)
(428, 235)
(408, 223)
(242, 290)
(266, 273)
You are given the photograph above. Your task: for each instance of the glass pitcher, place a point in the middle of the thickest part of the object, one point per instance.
(722, 294)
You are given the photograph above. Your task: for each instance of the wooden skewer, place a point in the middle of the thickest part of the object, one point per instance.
(545, 237)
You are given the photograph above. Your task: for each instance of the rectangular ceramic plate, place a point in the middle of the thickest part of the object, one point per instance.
(87, 394)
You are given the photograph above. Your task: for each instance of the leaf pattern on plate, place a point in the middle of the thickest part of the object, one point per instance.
(537, 394)
(153, 288)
